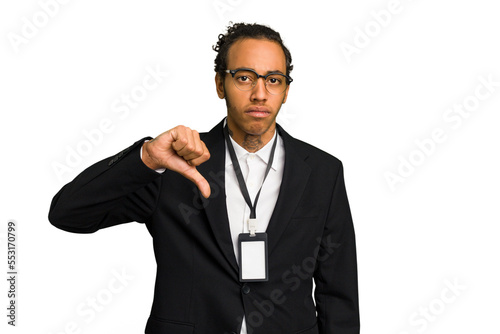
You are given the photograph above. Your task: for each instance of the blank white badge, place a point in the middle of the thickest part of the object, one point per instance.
(253, 258)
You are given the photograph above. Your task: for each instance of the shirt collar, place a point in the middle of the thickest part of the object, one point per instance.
(263, 153)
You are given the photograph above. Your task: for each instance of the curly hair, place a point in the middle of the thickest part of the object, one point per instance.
(244, 30)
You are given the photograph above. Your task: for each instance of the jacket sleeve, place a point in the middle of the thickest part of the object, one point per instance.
(116, 190)
(336, 292)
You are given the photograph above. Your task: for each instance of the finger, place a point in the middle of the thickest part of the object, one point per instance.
(179, 138)
(193, 148)
(198, 149)
(202, 158)
(184, 141)
(185, 144)
(193, 175)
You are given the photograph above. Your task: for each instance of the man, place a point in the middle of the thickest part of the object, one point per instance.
(272, 217)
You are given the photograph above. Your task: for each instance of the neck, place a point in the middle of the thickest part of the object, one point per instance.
(251, 142)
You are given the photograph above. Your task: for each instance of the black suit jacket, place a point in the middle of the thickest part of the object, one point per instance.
(197, 289)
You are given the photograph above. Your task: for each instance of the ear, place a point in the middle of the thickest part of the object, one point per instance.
(286, 94)
(219, 85)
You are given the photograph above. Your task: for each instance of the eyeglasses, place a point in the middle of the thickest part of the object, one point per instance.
(246, 79)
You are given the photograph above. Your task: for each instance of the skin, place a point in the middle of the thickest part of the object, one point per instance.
(250, 128)
(251, 115)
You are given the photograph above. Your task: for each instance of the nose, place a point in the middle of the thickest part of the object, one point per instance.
(259, 91)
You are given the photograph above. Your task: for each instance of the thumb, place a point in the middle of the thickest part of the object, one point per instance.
(193, 175)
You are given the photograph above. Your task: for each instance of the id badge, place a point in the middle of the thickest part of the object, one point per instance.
(253, 257)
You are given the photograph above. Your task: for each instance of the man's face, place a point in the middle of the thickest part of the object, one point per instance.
(252, 112)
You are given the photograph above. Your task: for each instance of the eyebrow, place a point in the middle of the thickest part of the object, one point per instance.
(249, 68)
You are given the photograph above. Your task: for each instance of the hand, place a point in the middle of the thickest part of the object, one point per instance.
(179, 149)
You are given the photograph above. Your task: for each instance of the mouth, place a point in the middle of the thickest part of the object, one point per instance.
(258, 112)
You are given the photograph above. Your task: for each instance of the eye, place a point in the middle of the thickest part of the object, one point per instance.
(244, 77)
(274, 81)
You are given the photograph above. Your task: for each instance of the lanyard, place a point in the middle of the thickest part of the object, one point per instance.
(241, 181)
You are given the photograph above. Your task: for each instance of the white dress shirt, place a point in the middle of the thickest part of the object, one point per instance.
(253, 167)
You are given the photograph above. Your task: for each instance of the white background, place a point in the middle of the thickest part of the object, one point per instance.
(437, 228)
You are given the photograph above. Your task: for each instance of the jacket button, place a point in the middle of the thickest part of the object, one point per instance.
(245, 289)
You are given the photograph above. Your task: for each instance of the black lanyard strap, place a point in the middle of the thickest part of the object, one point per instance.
(239, 175)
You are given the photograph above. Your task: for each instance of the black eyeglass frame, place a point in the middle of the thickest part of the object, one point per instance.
(233, 72)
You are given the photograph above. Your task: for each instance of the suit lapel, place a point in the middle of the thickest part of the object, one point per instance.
(215, 207)
(295, 176)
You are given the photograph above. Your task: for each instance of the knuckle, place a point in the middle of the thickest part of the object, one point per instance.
(181, 130)
(194, 163)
